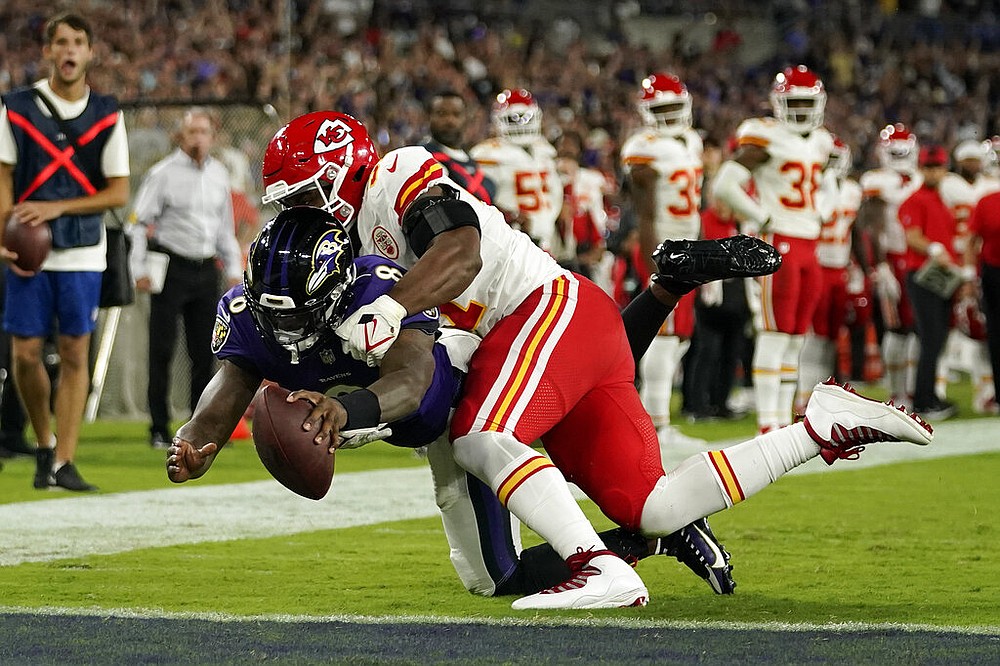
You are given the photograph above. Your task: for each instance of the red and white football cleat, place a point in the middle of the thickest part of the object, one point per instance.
(600, 579)
(843, 422)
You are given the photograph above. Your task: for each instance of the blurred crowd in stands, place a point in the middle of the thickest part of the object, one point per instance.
(932, 64)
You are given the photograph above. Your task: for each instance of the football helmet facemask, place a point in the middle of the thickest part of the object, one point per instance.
(897, 148)
(517, 117)
(297, 280)
(665, 104)
(320, 159)
(798, 99)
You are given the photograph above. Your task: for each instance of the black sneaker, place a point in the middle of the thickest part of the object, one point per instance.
(942, 410)
(43, 468)
(67, 477)
(696, 547)
(685, 264)
(14, 444)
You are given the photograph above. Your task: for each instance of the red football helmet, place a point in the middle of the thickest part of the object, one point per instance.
(897, 148)
(517, 117)
(664, 103)
(840, 158)
(321, 159)
(798, 99)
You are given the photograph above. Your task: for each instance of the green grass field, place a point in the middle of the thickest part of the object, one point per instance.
(912, 545)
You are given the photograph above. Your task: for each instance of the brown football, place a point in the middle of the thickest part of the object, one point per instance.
(287, 451)
(31, 243)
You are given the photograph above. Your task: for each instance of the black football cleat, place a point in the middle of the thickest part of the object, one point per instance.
(696, 547)
(685, 264)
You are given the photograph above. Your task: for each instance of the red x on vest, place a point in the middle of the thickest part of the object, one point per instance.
(60, 158)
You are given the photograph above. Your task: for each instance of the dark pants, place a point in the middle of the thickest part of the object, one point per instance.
(191, 293)
(717, 345)
(991, 309)
(932, 314)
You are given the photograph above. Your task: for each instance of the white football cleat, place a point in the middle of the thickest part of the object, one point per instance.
(843, 422)
(600, 579)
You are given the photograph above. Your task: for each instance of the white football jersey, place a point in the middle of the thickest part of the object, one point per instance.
(513, 266)
(526, 180)
(677, 161)
(961, 197)
(987, 184)
(589, 188)
(893, 188)
(834, 247)
(788, 183)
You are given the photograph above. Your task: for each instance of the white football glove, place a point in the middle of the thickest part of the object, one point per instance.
(371, 330)
(355, 439)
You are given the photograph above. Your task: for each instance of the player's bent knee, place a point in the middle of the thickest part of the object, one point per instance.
(485, 454)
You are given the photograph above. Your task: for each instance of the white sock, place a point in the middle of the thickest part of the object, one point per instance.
(811, 368)
(710, 482)
(531, 487)
(767, 357)
(982, 375)
(658, 367)
(789, 378)
(911, 358)
(894, 356)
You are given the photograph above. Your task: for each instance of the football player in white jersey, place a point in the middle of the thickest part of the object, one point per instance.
(839, 207)
(961, 190)
(785, 156)
(522, 164)
(554, 362)
(883, 190)
(583, 211)
(664, 167)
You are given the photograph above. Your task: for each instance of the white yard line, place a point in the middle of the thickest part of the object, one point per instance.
(78, 526)
(532, 620)
(113, 523)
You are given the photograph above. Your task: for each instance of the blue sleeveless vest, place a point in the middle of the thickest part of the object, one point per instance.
(42, 173)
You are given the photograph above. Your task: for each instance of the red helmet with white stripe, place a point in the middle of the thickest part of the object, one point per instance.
(321, 159)
(517, 117)
(664, 103)
(897, 148)
(798, 99)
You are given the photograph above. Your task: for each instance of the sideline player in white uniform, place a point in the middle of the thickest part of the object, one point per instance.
(883, 190)
(961, 189)
(664, 167)
(583, 210)
(839, 207)
(554, 362)
(523, 165)
(785, 156)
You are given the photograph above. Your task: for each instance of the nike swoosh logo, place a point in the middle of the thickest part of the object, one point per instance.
(370, 330)
(392, 168)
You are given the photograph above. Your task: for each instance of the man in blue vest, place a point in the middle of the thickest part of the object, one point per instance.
(63, 162)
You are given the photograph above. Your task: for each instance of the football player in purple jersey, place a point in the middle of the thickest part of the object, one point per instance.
(301, 280)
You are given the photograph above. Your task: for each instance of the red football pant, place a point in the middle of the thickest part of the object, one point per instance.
(559, 369)
(788, 296)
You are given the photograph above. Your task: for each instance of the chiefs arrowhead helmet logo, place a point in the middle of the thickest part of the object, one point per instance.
(331, 135)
